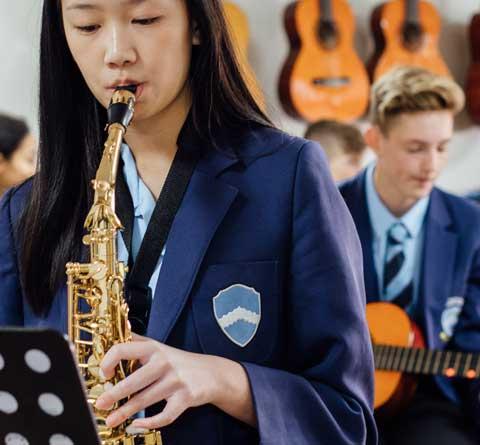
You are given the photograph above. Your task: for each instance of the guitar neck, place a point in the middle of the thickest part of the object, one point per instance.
(411, 12)
(326, 13)
(427, 361)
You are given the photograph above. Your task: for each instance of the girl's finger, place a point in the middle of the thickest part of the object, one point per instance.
(140, 379)
(158, 391)
(173, 409)
(124, 351)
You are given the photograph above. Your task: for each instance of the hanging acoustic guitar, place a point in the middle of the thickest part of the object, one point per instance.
(238, 27)
(322, 78)
(406, 32)
(400, 357)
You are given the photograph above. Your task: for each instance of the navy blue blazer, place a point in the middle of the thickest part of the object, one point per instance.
(474, 195)
(271, 220)
(449, 297)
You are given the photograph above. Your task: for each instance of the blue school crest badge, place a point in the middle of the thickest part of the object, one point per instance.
(237, 310)
(450, 315)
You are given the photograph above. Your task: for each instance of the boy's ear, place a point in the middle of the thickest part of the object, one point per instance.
(3, 163)
(372, 138)
(196, 40)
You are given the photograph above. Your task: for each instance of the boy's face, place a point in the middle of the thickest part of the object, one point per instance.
(345, 166)
(412, 153)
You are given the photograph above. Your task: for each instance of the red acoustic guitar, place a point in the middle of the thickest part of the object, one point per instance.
(398, 348)
(472, 86)
(322, 76)
(406, 33)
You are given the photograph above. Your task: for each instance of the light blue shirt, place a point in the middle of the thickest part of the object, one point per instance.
(382, 219)
(143, 206)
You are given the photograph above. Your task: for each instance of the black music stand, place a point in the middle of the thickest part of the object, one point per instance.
(42, 398)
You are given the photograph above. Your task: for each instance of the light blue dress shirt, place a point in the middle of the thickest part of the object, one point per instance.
(143, 206)
(382, 219)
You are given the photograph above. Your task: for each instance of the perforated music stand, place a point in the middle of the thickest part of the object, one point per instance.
(42, 400)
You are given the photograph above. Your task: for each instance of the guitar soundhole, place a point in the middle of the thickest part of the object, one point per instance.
(412, 36)
(327, 34)
(331, 81)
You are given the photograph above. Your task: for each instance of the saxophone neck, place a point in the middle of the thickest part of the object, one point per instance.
(120, 113)
(105, 178)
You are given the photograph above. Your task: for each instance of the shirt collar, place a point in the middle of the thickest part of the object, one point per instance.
(142, 199)
(382, 219)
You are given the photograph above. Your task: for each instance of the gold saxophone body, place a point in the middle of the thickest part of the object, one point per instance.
(97, 310)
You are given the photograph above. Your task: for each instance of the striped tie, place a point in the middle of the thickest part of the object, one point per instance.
(397, 284)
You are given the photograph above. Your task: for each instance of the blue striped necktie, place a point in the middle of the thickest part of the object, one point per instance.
(397, 282)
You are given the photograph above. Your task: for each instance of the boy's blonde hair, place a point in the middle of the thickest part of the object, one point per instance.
(410, 90)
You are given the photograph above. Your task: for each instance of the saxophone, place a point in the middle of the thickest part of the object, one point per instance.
(97, 310)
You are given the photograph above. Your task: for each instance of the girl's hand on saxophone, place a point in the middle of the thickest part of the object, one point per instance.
(183, 379)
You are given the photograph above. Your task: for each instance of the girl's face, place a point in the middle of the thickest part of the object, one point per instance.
(123, 42)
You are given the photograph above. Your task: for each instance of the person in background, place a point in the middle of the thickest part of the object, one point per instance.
(343, 144)
(421, 250)
(18, 152)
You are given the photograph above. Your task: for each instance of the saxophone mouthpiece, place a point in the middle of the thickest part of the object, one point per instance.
(120, 110)
(132, 88)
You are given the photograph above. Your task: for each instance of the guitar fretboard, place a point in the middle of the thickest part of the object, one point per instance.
(427, 361)
(326, 10)
(411, 11)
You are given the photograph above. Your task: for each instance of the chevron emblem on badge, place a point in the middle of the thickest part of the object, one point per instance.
(237, 310)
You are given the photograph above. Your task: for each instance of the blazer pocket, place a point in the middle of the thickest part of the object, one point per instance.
(236, 310)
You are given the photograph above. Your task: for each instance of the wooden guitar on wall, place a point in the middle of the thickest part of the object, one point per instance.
(239, 31)
(400, 356)
(406, 32)
(322, 78)
(472, 87)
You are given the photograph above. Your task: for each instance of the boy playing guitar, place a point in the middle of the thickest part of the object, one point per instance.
(421, 246)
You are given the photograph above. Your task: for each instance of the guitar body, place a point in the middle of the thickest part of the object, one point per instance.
(390, 325)
(239, 31)
(321, 81)
(473, 77)
(387, 24)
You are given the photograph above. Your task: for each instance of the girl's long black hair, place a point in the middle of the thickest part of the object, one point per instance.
(71, 140)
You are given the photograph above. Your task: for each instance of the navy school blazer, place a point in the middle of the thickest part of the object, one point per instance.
(271, 221)
(475, 196)
(449, 295)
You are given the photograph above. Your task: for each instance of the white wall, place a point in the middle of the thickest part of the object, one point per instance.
(19, 36)
(19, 25)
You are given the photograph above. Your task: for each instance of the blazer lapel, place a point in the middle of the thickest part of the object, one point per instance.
(439, 253)
(203, 208)
(357, 203)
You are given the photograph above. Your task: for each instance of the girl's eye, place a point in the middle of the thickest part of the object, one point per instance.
(148, 21)
(87, 29)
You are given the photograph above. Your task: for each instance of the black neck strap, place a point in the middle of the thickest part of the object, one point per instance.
(137, 292)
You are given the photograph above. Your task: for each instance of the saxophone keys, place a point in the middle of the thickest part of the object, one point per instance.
(93, 365)
(99, 347)
(96, 391)
(134, 430)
